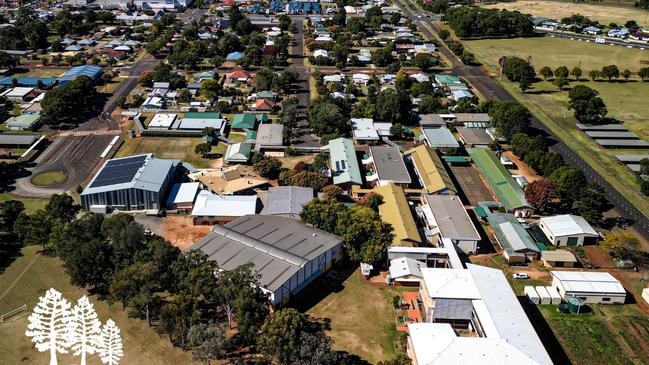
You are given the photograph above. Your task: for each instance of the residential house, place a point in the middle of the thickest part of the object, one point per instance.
(238, 153)
(344, 163)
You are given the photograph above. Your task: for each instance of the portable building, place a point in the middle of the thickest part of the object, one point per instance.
(556, 297)
(531, 294)
(544, 296)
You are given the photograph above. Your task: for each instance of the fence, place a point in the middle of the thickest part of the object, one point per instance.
(12, 313)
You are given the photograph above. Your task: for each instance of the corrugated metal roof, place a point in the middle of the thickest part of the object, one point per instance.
(589, 282)
(183, 193)
(208, 204)
(568, 225)
(344, 163)
(431, 169)
(396, 211)
(287, 199)
(452, 219)
(440, 138)
(501, 181)
(389, 164)
(277, 246)
(510, 233)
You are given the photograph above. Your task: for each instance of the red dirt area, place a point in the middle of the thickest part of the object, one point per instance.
(181, 232)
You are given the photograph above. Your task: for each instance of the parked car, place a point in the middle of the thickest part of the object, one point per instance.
(520, 275)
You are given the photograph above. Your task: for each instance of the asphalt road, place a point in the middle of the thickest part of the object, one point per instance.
(490, 89)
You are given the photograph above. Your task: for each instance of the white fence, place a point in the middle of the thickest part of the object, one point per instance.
(12, 313)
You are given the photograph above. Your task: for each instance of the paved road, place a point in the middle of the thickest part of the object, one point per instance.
(490, 89)
(77, 152)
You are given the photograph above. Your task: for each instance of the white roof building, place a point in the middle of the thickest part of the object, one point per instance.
(480, 294)
(406, 269)
(567, 229)
(162, 121)
(437, 343)
(363, 129)
(321, 53)
(361, 78)
(333, 78)
(213, 205)
(592, 287)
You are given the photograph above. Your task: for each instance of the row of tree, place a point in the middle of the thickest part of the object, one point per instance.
(469, 22)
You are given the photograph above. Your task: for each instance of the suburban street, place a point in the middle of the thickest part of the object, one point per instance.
(490, 89)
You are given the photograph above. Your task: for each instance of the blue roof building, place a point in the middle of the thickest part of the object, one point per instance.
(234, 56)
(91, 71)
(27, 81)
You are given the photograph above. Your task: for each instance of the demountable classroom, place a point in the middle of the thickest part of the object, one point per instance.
(544, 296)
(532, 295)
(556, 297)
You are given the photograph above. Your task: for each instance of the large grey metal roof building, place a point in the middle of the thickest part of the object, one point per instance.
(130, 183)
(285, 252)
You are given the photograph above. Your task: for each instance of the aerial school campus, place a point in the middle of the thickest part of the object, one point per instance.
(324, 182)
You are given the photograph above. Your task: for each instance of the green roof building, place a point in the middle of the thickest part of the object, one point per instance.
(244, 121)
(449, 80)
(267, 94)
(502, 184)
(238, 153)
(344, 163)
(251, 135)
(203, 75)
(201, 115)
(23, 122)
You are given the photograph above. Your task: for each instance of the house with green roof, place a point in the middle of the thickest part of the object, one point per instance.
(242, 122)
(24, 122)
(207, 75)
(267, 94)
(501, 182)
(238, 153)
(344, 163)
(449, 81)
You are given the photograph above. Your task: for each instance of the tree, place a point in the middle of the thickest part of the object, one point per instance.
(561, 71)
(203, 149)
(570, 183)
(177, 317)
(576, 72)
(429, 104)
(110, 349)
(586, 103)
(326, 117)
(517, 69)
(207, 342)
(560, 82)
(34, 229)
(268, 168)
(9, 212)
(62, 206)
(126, 237)
(322, 214)
(541, 193)
(284, 22)
(48, 324)
(644, 73)
(644, 166)
(365, 235)
(281, 334)
(509, 118)
(444, 34)
(616, 241)
(313, 180)
(371, 200)
(626, 74)
(590, 203)
(84, 328)
(394, 107)
(595, 74)
(252, 309)
(546, 72)
(184, 96)
(332, 192)
(135, 286)
(610, 72)
(211, 89)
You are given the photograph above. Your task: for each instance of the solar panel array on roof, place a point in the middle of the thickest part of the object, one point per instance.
(119, 171)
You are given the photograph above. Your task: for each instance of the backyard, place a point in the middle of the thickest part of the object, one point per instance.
(31, 205)
(362, 319)
(609, 334)
(29, 277)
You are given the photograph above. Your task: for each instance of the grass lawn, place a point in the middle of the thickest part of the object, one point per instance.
(555, 52)
(625, 100)
(361, 316)
(290, 162)
(31, 205)
(49, 178)
(180, 148)
(610, 334)
(605, 12)
(29, 277)
(42, 72)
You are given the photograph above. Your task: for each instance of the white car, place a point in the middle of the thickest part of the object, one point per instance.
(520, 275)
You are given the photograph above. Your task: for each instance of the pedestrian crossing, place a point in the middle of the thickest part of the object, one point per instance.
(88, 133)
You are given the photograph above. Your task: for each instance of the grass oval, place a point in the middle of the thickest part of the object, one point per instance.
(49, 178)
